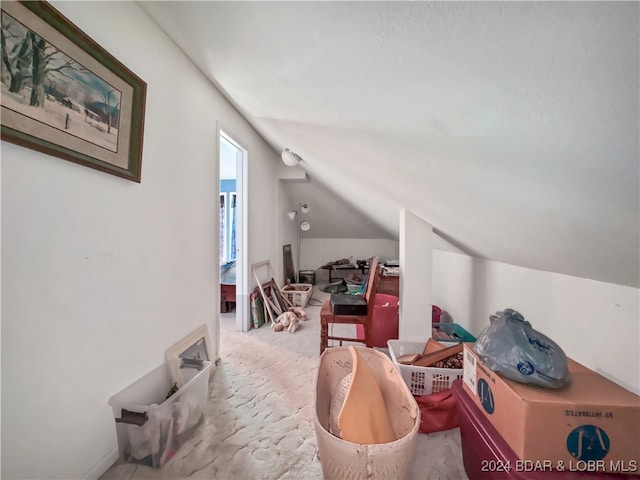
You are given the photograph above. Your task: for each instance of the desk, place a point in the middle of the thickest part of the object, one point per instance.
(228, 289)
(338, 271)
(227, 298)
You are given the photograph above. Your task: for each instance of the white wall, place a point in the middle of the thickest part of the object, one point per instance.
(416, 265)
(595, 323)
(100, 275)
(316, 252)
(287, 229)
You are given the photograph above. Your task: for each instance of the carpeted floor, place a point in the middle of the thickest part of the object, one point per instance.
(259, 419)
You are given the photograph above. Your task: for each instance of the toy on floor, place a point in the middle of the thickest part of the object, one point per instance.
(299, 311)
(288, 321)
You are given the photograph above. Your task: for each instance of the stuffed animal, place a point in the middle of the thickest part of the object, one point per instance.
(293, 325)
(288, 320)
(299, 311)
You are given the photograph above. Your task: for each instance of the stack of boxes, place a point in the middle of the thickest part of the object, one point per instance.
(588, 429)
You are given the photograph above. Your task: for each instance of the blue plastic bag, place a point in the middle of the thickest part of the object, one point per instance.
(510, 346)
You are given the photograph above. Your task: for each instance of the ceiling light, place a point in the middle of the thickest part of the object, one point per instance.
(290, 159)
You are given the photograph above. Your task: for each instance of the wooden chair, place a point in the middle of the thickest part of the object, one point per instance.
(327, 316)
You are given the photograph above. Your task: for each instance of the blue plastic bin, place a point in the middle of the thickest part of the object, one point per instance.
(453, 331)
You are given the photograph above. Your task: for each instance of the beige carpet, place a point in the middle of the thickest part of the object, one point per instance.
(259, 420)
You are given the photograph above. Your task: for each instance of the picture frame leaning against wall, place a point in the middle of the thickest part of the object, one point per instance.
(195, 346)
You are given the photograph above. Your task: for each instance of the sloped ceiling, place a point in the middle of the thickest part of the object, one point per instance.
(330, 215)
(511, 127)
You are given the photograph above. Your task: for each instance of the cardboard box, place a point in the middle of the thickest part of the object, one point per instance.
(591, 425)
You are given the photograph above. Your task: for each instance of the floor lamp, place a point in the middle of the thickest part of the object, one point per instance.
(303, 226)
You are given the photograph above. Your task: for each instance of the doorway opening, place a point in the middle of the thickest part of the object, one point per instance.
(233, 230)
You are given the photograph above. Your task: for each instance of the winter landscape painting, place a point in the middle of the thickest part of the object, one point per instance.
(64, 95)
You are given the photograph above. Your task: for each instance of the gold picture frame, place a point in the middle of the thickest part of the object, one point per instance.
(64, 95)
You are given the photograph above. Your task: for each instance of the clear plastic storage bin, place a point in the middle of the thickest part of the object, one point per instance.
(151, 427)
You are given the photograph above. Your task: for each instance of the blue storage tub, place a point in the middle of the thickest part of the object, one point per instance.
(451, 332)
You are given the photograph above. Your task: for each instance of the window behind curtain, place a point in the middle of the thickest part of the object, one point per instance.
(227, 251)
(223, 230)
(232, 253)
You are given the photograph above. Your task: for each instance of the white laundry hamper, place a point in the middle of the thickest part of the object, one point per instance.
(345, 460)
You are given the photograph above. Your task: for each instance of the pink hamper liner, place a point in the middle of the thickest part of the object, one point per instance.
(346, 460)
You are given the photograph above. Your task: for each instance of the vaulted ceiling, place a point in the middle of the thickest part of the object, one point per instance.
(511, 127)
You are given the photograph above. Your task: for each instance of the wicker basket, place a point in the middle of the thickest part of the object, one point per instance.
(298, 293)
(346, 460)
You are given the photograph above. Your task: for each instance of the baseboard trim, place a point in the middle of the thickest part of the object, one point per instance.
(103, 465)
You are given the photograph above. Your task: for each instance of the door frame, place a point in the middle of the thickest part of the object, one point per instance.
(243, 320)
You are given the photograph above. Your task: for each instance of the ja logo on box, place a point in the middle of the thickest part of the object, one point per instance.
(588, 442)
(526, 368)
(485, 395)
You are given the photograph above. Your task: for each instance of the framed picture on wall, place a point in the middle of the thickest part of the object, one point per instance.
(195, 346)
(64, 95)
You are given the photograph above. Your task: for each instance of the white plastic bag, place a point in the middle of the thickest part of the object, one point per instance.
(510, 346)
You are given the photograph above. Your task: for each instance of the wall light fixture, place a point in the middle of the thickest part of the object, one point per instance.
(290, 159)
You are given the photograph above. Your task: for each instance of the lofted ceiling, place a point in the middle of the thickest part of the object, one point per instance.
(511, 127)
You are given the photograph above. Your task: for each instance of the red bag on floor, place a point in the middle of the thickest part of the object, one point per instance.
(438, 411)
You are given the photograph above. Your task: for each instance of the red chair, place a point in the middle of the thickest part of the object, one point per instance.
(328, 317)
(385, 322)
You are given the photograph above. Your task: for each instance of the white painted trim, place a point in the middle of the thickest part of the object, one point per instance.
(243, 320)
(216, 245)
(103, 465)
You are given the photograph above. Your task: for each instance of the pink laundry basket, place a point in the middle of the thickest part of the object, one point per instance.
(436, 314)
(384, 321)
